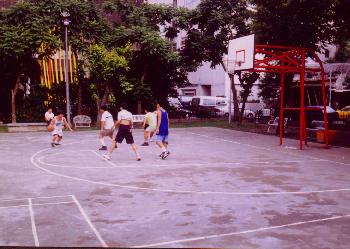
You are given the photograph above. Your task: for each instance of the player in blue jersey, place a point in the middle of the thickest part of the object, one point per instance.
(162, 131)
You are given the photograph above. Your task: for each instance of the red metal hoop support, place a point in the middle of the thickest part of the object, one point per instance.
(282, 59)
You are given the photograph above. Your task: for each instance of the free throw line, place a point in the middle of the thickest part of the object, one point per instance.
(32, 219)
(87, 219)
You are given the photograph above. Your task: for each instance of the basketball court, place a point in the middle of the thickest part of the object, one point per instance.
(218, 188)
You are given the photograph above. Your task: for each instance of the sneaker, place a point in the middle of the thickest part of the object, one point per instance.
(103, 148)
(145, 144)
(53, 145)
(57, 144)
(138, 159)
(161, 155)
(106, 157)
(165, 155)
(151, 140)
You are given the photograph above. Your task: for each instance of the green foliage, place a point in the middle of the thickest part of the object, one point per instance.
(212, 24)
(294, 23)
(22, 31)
(155, 68)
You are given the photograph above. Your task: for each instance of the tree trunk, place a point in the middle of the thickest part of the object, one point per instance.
(235, 99)
(244, 101)
(101, 102)
(13, 99)
(80, 98)
(234, 94)
(139, 103)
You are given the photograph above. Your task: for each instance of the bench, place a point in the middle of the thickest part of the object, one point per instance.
(273, 124)
(26, 127)
(82, 121)
(138, 118)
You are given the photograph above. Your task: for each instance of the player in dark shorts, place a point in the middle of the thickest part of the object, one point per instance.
(124, 132)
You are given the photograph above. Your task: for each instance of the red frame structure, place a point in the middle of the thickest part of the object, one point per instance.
(283, 60)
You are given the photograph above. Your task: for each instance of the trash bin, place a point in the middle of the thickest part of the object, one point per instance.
(332, 134)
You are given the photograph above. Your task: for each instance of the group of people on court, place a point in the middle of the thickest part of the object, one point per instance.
(156, 122)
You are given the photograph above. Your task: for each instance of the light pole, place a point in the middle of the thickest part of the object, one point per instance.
(66, 22)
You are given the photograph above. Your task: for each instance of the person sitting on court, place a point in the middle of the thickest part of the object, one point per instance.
(124, 132)
(107, 126)
(150, 126)
(49, 115)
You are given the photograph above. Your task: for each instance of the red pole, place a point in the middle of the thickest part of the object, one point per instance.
(324, 107)
(302, 99)
(282, 105)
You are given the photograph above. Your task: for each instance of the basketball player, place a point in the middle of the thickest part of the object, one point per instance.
(162, 131)
(59, 122)
(107, 126)
(124, 132)
(150, 126)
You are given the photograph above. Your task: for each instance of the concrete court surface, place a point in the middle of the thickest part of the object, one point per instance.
(218, 188)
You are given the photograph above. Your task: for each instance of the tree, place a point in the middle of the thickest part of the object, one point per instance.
(212, 25)
(108, 69)
(298, 23)
(86, 27)
(156, 69)
(22, 32)
(247, 81)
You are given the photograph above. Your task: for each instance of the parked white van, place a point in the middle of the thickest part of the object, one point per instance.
(208, 101)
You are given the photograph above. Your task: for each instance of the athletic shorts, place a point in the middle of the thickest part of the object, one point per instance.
(150, 129)
(124, 132)
(108, 132)
(57, 133)
(162, 138)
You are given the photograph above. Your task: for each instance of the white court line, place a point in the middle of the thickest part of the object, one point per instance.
(242, 232)
(32, 219)
(87, 219)
(35, 164)
(33, 198)
(267, 149)
(107, 161)
(192, 164)
(39, 204)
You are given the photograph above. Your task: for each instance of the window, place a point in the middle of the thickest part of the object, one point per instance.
(209, 102)
(189, 92)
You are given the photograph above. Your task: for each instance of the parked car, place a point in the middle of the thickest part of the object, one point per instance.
(185, 101)
(208, 101)
(205, 106)
(344, 113)
(224, 109)
(177, 110)
(317, 115)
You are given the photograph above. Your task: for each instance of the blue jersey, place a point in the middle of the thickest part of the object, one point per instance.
(164, 125)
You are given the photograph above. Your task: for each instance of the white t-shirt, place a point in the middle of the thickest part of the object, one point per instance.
(108, 119)
(49, 116)
(124, 115)
(151, 119)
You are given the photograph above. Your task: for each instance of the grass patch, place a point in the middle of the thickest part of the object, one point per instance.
(3, 128)
(245, 126)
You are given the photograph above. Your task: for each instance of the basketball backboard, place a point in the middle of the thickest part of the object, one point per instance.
(241, 54)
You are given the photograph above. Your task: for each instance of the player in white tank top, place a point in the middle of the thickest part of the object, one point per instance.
(59, 122)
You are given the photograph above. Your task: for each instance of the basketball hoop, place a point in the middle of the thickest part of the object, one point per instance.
(233, 66)
(241, 54)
